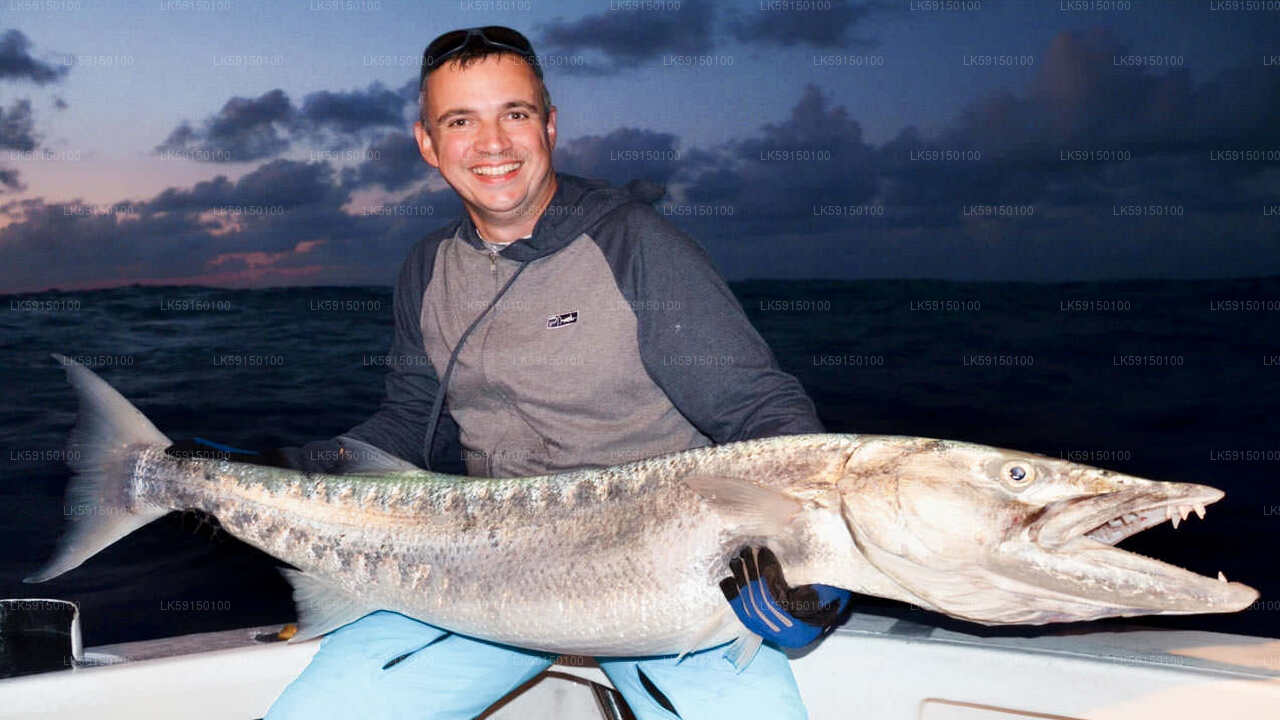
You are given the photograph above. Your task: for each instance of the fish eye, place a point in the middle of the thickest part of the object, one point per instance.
(1017, 474)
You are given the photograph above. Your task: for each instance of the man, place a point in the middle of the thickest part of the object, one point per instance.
(560, 323)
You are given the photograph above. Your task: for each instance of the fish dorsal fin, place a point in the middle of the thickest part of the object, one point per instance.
(322, 606)
(760, 510)
(361, 458)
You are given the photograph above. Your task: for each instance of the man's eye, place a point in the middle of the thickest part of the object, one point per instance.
(455, 123)
(519, 114)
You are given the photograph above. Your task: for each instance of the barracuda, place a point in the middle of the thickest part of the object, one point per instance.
(625, 560)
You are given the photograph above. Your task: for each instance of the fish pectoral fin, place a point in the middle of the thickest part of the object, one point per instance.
(322, 606)
(761, 510)
(359, 458)
(743, 650)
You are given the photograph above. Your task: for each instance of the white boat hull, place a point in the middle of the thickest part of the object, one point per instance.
(873, 668)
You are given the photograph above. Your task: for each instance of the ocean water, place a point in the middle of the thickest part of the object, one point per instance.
(1170, 380)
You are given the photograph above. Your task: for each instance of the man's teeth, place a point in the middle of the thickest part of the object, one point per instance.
(498, 170)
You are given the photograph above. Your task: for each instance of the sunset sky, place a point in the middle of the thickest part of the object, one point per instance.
(224, 142)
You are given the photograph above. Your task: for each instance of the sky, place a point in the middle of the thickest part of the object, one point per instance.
(229, 143)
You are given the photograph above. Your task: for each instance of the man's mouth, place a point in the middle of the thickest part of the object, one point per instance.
(497, 172)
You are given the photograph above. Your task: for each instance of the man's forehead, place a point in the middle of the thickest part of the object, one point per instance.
(505, 71)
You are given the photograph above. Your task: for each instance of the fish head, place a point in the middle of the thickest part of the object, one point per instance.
(1000, 536)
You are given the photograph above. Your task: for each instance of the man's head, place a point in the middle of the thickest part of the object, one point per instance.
(485, 110)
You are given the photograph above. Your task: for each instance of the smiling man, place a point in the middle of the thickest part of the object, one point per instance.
(490, 129)
(559, 323)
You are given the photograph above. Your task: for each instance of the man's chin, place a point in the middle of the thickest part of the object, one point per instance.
(496, 208)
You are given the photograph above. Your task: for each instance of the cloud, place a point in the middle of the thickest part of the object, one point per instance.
(17, 63)
(621, 156)
(773, 179)
(17, 125)
(822, 25)
(9, 180)
(1026, 148)
(355, 112)
(283, 223)
(392, 162)
(626, 37)
(244, 129)
(902, 208)
(248, 129)
(17, 129)
(1084, 92)
(804, 196)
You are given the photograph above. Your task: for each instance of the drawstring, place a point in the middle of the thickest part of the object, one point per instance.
(453, 357)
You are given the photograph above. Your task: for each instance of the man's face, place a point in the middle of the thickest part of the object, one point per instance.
(487, 119)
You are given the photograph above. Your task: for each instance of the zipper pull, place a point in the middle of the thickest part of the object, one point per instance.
(493, 262)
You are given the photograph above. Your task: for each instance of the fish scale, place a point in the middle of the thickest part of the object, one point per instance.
(452, 535)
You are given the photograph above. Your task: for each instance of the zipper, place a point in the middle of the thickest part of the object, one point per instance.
(493, 262)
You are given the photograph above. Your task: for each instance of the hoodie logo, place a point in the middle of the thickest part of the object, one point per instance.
(555, 321)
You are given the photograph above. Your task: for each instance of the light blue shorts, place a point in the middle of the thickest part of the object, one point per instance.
(431, 673)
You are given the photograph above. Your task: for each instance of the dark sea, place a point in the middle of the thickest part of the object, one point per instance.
(1169, 380)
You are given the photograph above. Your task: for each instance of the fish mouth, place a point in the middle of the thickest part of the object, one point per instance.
(1111, 517)
(1075, 542)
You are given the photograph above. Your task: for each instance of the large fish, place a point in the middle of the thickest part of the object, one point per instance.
(626, 560)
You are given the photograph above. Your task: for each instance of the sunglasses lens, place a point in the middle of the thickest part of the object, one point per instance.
(445, 46)
(507, 36)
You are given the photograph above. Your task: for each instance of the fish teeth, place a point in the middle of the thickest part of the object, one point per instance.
(1221, 578)
(1173, 517)
(1130, 517)
(1200, 510)
(1184, 511)
(1117, 522)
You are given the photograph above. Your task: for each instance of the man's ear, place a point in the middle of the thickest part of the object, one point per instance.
(551, 128)
(425, 147)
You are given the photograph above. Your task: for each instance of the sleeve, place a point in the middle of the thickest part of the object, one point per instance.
(400, 424)
(695, 340)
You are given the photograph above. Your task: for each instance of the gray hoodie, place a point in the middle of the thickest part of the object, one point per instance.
(607, 336)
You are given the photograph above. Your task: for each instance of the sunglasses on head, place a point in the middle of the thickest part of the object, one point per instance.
(494, 36)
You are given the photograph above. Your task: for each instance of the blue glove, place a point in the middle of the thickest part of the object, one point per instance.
(769, 607)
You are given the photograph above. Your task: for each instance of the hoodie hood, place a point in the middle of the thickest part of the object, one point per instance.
(576, 206)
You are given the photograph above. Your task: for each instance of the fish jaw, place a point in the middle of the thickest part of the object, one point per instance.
(942, 519)
(1071, 549)
(1136, 505)
(1105, 581)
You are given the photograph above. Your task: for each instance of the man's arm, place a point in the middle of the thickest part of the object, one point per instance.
(400, 424)
(696, 342)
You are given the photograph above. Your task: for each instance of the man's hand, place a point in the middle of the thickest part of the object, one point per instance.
(764, 602)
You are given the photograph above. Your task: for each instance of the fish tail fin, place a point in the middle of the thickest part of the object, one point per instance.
(101, 452)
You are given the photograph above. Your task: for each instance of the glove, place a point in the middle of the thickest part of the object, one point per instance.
(769, 607)
(210, 450)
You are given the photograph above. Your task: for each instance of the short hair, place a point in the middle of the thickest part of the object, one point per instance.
(475, 52)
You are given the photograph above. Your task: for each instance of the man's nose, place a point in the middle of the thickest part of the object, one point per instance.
(492, 138)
